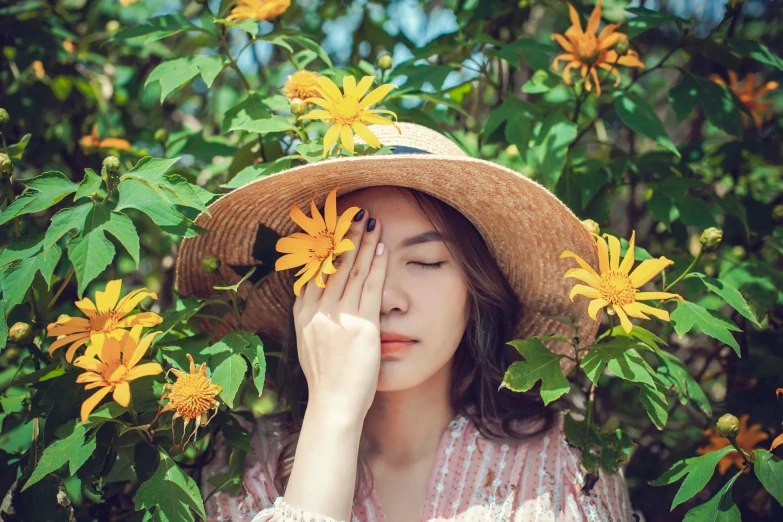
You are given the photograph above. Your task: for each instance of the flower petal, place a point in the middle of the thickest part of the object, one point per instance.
(627, 263)
(366, 134)
(624, 321)
(141, 349)
(642, 308)
(75, 346)
(595, 19)
(146, 319)
(122, 394)
(565, 44)
(329, 87)
(603, 255)
(647, 296)
(376, 95)
(344, 223)
(648, 269)
(89, 363)
(594, 306)
(576, 24)
(305, 278)
(584, 290)
(315, 215)
(614, 252)
(293, 260)
(87, 307)
(67, 339)
(92, 401)
(364, 85)
(346, 137)
(344, 246)
(316, 114)
(582, 275)
(330, 138)
(330, 211)
(143, 370)
(130, 301)
(349, 85)
(105, 301)
(291, 245)
(307, 224)
(582, 263)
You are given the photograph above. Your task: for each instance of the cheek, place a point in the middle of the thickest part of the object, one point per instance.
(443, 304)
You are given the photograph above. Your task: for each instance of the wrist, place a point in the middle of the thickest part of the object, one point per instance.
(330, 414)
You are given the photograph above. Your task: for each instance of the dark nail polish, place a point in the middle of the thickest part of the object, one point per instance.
(371, 225)
(359, 215)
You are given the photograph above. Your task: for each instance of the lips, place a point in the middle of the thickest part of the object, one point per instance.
(394, 337)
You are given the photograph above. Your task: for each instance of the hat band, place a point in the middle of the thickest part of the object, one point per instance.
(403, 149)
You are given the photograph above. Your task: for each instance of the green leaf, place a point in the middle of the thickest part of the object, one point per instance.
(172, 188)
(542, 81)
(20, 248)
(252, 348)
(311, 152)
(18, 277)
(640, 117)
(230, 481)
(654, 402)
(91, 252)
(697, 472)
(720, 508)
(599, 355)
(155, 29)
(731, 295)
(537, 54)
(540, 364)
(675, 374)
(121, 227)
(173, 74)
(757, 51)
(254, 172)
(48, 189)
(646, 19)
(252, 114)
(73, 218)
(89, 185)
(633, 368)
(550, 149)
(3, 329)
(607, 449)
(139, 195)
(174, 492)
(769, 471)
(718, 102)
(74, 450)
(229, 373)
(249, 26)
(687, 315)
(16, 150)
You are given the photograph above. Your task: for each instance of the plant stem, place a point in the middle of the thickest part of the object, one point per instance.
(693, 263)
(57, 294)
(741, 451)
(132, 412)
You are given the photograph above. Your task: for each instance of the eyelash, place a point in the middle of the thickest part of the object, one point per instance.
(429, 265)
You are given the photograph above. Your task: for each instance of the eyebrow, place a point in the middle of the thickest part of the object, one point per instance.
(426, 237)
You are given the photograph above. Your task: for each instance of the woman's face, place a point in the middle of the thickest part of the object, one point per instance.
(425, 303)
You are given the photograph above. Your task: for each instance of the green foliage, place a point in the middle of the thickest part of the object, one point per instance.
(172, 492)
(697, 472)
(540, 365)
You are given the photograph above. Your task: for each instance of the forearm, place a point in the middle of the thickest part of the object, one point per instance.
(324, 471)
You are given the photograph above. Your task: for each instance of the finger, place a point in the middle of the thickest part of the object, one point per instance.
(345, 261)
(312, 292)
(361, 267)
(370, 305)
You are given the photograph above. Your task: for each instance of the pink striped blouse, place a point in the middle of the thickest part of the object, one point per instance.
(474, 479)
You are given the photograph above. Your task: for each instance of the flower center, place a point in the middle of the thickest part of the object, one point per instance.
(617, 288)
(116, 374)
(346, 111)
(104, 322)
(192, 395)
(587, 49)
(324, 245)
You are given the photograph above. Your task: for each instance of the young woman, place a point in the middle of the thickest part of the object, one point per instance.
(398, 361)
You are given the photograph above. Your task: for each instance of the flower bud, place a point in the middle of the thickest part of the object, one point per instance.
(111, 163)
(210, 263)
(728, 426)
(62, 318)
(4, 118)
(6, 167)
(711, 238)
(21, 333)
(384, 62)
(622, 47)
(112, 26)
(777, 213)
(591, 226)
(162, 135)
(298, 106)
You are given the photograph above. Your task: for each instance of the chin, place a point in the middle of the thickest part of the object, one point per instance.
(395, 375)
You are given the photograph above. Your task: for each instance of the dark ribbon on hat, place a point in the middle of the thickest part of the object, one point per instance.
(402, 149)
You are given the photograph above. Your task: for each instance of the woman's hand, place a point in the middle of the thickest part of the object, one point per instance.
(338, 327)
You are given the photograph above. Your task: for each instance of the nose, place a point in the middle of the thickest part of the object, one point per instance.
(394, 297)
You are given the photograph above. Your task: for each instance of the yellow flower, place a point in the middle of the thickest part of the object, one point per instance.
(259, 9)
(126, 3)
(302, 84)
(747, 439)
(591, 52)
(115, 368)
(105, 320)
(349, 110)
(38, 69)
(93, 141)
(320, 245)
(190, 397)
(614, 287)
(750, 95)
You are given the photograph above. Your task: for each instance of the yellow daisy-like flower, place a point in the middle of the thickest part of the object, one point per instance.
(749, 94)
(190, 397)
(115, 367)
(322, 242)
(348, 110)
(106, 318)
(590, 52)
(613, 287)
(302, 84)
(259, 9)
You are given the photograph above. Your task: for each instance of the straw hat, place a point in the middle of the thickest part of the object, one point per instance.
(525, 226)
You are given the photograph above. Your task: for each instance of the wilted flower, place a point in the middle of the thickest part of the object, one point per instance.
(750, 95)
(302, 84)
(747, 439)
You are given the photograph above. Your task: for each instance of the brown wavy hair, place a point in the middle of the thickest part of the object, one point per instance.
(480, 361)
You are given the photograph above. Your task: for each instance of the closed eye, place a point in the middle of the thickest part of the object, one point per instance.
(428, 265)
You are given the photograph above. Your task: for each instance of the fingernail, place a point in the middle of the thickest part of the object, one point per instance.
(370, 224)
(379, 249)
(359, 215)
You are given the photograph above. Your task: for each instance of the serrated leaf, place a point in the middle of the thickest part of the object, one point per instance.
(20, 248)
(254, 172)
(731, 295)
(249, 26)
(756, 50)
(89, 185)
(16, 151)
(47, 189)
(654, 401)
(138, 195)
(769, 471)
(174, 492)
(74, 450)
(675, 374)
(252, 348)
(155, 29)
(697, 472)
(229, 373)
(599, 355)
(720, 508)
(639, 115)
(90, 255)
(174, 74)
(646, 19)
(607, 449)
(540, 364)
(252, 114)
(719, 104)
(172, 188)
(311, 152)
(18, 277)
(550, 148)
(632, 367)
(73, 218)
(688, 314)
(121, 227)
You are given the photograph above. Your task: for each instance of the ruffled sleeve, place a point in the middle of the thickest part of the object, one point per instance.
(258, 499)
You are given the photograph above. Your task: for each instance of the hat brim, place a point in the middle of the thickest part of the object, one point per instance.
(524, 225)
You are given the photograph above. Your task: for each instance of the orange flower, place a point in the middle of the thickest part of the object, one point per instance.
(68, 46)
(259, 10)
(190, 397)
(322, 243)
(93, 141)
(747, 439)
(115, 368)
(591, 52)
(105, 319)
(302, 84)
(750, 95)
(779, 439)
(38, 69)
(126, 3)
